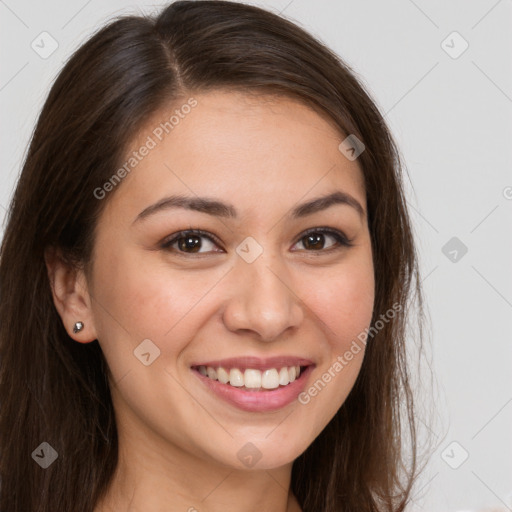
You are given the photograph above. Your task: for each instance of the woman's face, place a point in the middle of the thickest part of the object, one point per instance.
(252, 292)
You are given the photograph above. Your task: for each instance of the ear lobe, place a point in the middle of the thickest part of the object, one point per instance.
(70, 296)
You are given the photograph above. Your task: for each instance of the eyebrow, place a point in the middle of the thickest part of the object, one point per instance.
(220, 209)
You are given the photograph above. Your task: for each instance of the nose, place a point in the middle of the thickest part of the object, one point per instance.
(262, 301)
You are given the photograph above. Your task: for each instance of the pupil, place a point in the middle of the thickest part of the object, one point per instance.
(190, 242)
(193, 242)
(316, 240)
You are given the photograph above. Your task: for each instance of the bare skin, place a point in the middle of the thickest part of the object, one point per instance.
(178, 440)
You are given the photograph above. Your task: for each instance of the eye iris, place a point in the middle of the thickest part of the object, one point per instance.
(315, 241)
(192, 242)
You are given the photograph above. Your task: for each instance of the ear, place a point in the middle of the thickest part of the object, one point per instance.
(70, 296)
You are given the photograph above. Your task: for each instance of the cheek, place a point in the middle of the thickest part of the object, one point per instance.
(343, 307)
(344, 304)
(139, 298)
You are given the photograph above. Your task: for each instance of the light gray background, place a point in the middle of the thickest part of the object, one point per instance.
(452, 120)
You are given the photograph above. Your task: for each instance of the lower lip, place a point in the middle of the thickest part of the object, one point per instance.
(258, 401)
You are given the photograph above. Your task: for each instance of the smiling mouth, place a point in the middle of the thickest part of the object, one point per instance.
(252, 379)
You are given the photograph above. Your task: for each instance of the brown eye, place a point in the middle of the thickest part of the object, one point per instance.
(190, 242)
(315, 239)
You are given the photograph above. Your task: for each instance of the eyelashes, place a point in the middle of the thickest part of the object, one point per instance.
(189, 240)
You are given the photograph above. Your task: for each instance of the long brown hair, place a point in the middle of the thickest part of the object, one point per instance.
(55, 390)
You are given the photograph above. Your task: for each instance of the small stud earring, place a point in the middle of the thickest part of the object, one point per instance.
(78, 327)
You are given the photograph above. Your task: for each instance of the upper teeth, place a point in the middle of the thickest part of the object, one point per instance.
(271, 378)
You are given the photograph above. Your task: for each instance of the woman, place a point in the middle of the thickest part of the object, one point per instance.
(205, 279)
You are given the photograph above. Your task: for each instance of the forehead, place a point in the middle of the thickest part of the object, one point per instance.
(257, 145)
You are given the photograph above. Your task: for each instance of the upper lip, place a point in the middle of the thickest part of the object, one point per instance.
(256, 362)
